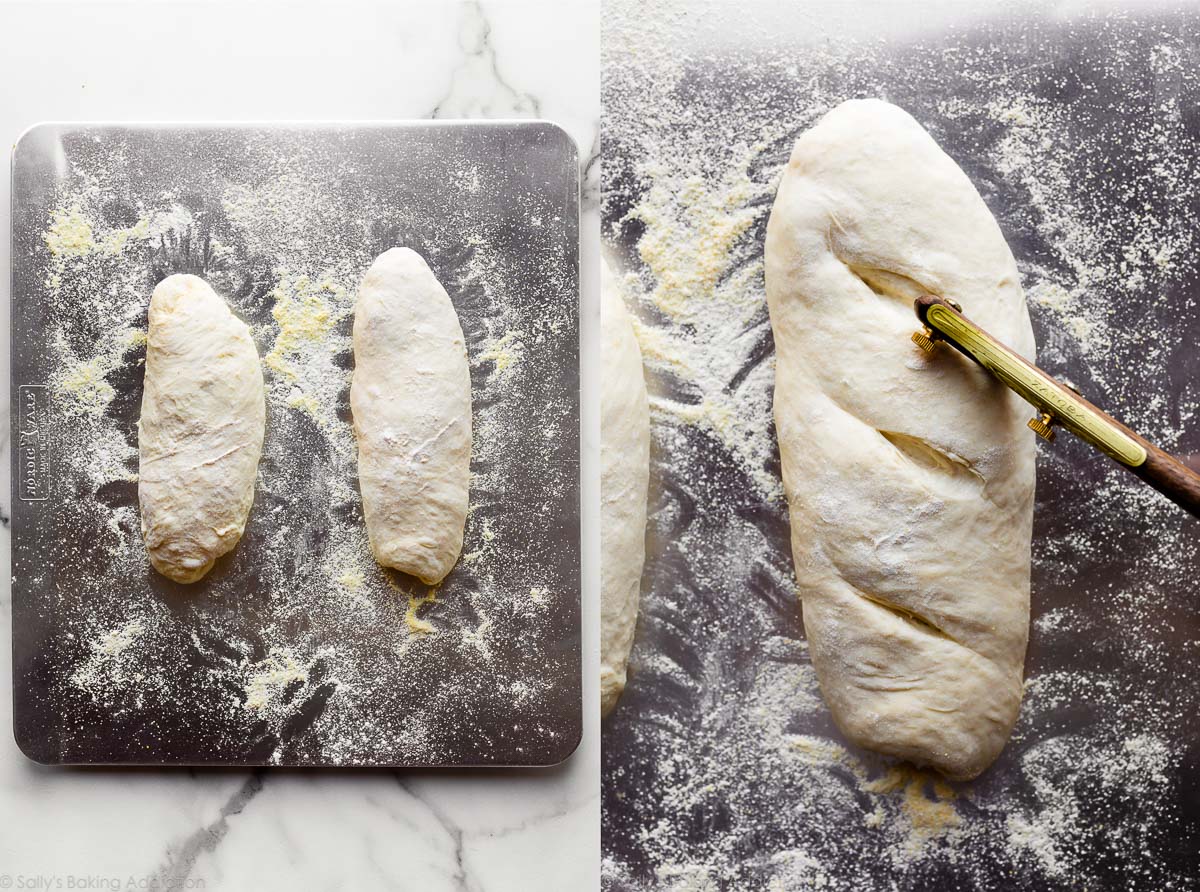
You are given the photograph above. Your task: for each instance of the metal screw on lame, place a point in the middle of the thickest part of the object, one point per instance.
(1041, 425)
(924, 340)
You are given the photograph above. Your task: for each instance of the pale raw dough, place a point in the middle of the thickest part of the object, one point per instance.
(624, 478)
(411, 399)
(201, 431)
(909, 479)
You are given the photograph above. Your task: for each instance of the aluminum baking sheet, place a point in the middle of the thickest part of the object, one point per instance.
(296, 649)
(1080, 129)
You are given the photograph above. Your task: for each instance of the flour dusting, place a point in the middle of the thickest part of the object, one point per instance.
(724, 770)
(299, 648)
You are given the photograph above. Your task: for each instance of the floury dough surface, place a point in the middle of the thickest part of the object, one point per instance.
(909, 479)
(724, 770)
(624, 478)
(201, 428)
(411, 401)
(298, 648)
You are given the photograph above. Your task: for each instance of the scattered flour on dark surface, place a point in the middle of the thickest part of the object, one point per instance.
(299, 648)
(723, 769)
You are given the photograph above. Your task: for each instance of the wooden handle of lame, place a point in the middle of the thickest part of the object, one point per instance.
(1170, 476)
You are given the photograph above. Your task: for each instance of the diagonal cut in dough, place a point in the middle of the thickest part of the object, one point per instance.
(909, 478)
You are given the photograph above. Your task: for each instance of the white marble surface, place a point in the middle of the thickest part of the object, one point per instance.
(295, 830)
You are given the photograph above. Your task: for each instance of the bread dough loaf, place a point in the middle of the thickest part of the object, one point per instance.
(624, 478)
(909, 479)
(411, 399)
(201, 431)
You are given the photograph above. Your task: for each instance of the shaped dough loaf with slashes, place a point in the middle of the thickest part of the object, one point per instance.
(411, 399)
(909, 478)
(624, 479)
(201, 431)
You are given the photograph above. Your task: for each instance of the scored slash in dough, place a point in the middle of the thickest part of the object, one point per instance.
(909, 478)
(624, 479)
(411, 400)
(201, 430)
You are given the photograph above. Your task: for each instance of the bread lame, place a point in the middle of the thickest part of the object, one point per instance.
(1057, 404)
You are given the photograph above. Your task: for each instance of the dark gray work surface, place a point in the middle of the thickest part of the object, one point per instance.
(296, 649)
(723, 770)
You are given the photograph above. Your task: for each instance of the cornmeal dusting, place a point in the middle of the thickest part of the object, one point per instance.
(271, 677)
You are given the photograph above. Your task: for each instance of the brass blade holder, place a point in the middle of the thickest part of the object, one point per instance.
(1056, 402)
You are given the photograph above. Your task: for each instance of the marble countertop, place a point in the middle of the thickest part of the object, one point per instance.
(268, 829)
